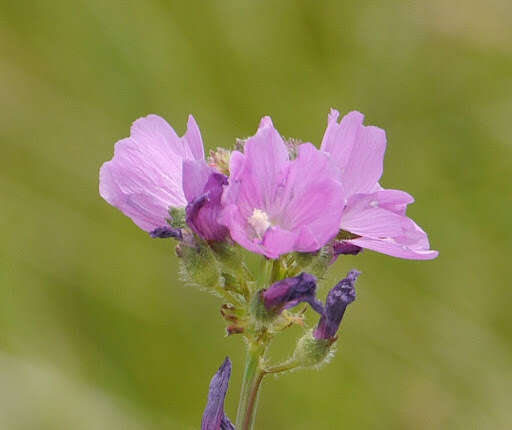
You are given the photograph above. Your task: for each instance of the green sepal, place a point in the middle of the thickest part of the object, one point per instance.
(199, 266)
(177, 218)
(313, 352)
(315, 263)
(259, 312)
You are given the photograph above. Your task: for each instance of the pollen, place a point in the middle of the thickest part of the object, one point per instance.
(259, 222)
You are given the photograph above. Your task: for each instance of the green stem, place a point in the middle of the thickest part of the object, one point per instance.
(253, 375)
(281, 367)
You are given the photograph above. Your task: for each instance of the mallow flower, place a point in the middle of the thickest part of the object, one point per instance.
(144, 178)
(373, 217)
(274, 205)
(214, 417)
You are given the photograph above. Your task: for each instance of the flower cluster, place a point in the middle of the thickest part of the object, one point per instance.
(298, 206)
(279, 197)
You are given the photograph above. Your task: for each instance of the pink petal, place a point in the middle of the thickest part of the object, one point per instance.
(144, 178)
(411, 244)
(339, 139)
(377, 215)
(278, 241)
(266, 161)
(365, 165)
(393, 200)
(193, 139)
(357, 150)
(232, 218)
(312, 198)
(390, 247)
(195, 176)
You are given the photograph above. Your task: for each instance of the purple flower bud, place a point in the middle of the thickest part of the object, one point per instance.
(289, 292)
(337, 301)
(203, 211)
(342, 247)
(166, 232)
(214, 417)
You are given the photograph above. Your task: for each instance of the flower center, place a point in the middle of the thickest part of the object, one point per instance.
(259, 222)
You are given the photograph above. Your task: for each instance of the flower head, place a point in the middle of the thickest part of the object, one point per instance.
(274, 205)
(214, 417)
(374, 216)
(337, 301)
(144, 178)
(290, 292)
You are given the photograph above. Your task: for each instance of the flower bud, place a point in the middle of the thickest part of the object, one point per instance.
(337, 301)
(317, 346)
(198, 265)
(285, 294)
(214, 417)
(220, 160)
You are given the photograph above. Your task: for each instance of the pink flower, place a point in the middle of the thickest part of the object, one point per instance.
(274, 205)
(144, 178)
(374, 217)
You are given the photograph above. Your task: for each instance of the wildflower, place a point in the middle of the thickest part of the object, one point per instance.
(373, 216)
(214, 417)
(274, 205)
(337, 301)
(144, 178)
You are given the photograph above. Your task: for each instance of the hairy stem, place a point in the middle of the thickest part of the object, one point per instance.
(290, 365)
(253, 375)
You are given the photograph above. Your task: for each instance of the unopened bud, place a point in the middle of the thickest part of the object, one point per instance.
(198, 265)
(220, 160)
(336, 303)
(285, 294)
(214, 417)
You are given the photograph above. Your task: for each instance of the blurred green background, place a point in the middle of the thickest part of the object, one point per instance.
(97, 332)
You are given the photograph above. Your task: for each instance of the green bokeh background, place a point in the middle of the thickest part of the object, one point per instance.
(97, 332)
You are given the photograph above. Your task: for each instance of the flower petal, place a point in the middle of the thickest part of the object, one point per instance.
(202, 213)
(412, 244)
(195, 177)
(357, 151)
(267, 159)
(312, 200)
(364, 216)
(278, 241)
(144, 178)
(339, 139)
(365, 164)
(193, 139)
